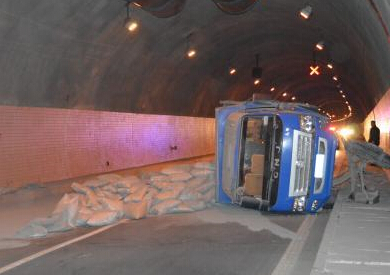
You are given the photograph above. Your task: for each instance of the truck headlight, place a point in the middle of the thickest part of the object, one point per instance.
(314, 205)
(306, 123)
(299, 204)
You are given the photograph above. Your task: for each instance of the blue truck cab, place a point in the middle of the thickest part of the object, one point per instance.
(273, 156)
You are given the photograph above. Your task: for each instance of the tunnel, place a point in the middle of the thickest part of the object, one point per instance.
(103, 88)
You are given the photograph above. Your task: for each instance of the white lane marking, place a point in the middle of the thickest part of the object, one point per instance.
(345, 262)
(294, 249)
(56, 247)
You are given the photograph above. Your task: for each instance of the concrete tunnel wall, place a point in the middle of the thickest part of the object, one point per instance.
(381, 114)
(47, 144)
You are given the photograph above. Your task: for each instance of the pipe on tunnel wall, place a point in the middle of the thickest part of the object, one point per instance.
(48, 144)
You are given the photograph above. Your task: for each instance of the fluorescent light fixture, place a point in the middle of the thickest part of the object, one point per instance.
(305, 13)
(293, 98)
(284, 94)
(232, 71)
(343, 96)
(329, 65)
(272, 89)
(320, 45)
(131, 25)
(191, 53)
(256, 82)
(335, 78)
(341, 92)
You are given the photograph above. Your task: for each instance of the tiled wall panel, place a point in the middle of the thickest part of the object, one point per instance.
(44, 144)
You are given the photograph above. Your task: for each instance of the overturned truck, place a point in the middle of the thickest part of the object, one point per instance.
(273, 156)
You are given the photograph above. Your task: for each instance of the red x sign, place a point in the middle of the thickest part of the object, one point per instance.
(315, 70)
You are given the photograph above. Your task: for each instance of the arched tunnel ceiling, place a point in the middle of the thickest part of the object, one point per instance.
(77, 54)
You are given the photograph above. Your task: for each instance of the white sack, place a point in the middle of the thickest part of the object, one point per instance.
(181, 208)
(205, 187)
(78, 188)
(195, 205)
(95, 183)
(111, 178)
(159, 178)
(163, 185)
(31, 231)
(201, 172)
(195, 182)
(102, 218)
(164, 206)
(180, 177)
(113, 205)
(136, 210)
(138, 195)
(176, 169)
(205, 165)
(189, 194)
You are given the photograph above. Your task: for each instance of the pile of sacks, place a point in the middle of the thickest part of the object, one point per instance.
(111, 197)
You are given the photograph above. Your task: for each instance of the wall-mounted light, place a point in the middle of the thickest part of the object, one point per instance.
(256, 82)
(272, 89)
(343, 96)
(232, 71)
(130, 24)
(341, 92)
(329, 65)
(335, 78)
(293, 98)
(305, 13)
(320, 45)
(284, 94)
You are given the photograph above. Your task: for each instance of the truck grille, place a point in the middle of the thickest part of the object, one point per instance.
(300, 164)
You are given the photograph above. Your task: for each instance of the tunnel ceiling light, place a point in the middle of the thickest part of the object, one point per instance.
(346, 102)
(330, 66)
(137, 4)
(130, 24)
(232, 71)
(272, 89)
(191, 53)
(284, 94)
(335, 78)
(341, 92)
(343, 96)
(306, 12)
(256, 82)
(320, 45)
(293, 98)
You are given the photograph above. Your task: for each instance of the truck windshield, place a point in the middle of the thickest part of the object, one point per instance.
(258, 153)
